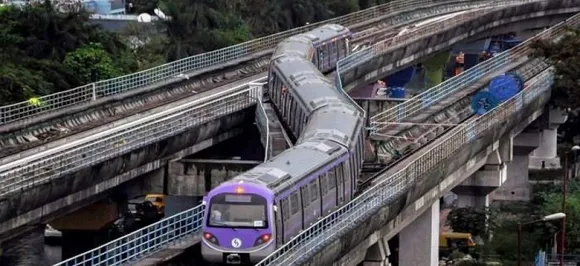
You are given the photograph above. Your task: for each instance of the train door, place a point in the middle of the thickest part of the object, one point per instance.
(296, 212)
(315, 199)
(279, 218)
(332, 53)
(320, 55)
(328, 192)
(339, 184)
(287, 220)
(347, 169)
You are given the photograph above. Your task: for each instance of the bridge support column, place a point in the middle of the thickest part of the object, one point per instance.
(546, 155)
(435, 68)
(27, 250)
(474, 191)
(419, 241)
(378, 254)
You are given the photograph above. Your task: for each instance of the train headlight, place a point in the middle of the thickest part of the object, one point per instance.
(262, 239)
(209, 237)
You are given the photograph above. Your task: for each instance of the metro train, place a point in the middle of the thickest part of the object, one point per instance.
(248, 217)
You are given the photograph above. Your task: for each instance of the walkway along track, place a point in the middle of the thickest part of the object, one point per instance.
(27, 139)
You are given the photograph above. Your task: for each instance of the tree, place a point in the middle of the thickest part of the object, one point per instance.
(476, 221)
(565, 56)
(35, 40)
(92, 57)
(553, 204)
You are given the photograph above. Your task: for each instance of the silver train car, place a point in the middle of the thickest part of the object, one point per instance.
(297, 89)
(322, 46)
(248, 217)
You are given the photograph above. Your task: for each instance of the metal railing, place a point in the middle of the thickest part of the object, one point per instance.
(354, 212)
(70, 157)
(174, 70)
(425, 99)
(264, 126)
(23, 172)
(143, 241)
(403, 40)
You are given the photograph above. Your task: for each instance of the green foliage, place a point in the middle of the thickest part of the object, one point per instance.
(472, 220)
(92, 57)
(565, 56)
(36, 39)
(553, 204)
(44, 51)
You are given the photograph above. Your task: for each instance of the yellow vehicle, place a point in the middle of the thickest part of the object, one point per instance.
(158, 202)
(451, 241)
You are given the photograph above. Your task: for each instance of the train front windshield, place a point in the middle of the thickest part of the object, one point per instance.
(238, 211)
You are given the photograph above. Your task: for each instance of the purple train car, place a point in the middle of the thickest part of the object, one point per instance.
(239, 219)
(248, 217)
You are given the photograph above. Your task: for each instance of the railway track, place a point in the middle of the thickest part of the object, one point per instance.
(21, 143)
(410, 140)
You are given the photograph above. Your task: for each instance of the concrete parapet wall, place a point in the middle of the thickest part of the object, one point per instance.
(467, 156)
(41, 201)
(197, 177)
(412, 54)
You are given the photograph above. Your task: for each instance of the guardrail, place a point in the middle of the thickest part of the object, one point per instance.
(70, 157)
(73, 157)
(403, 40)
(144, 241)
(173, 70)
(353, 213)
(364, 206)
(263, 124)
(425, 99)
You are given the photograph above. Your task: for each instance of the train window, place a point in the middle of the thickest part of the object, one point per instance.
(314, 189)
(331, 177)
(294, 203)
(305, 197)
(285, 209)
(238, 211)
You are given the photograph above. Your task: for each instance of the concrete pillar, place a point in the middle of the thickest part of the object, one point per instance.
(474, 191)
(419, 241)
(516, 187)
(546, 155)
(378, 254)
(476, 201)
(75, 242)
(25, 250)
(435, 68)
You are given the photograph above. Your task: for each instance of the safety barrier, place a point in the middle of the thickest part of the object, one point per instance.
(143, 241)
(403, 40)
(23, 172)
(354, 213)
(263, 124)
(175, 70)
(334, 225)
(381, 121)
(70, 157)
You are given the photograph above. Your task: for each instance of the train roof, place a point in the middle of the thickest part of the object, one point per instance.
(338, 122)
(296, 46)
(294, 164)
(325, 33)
